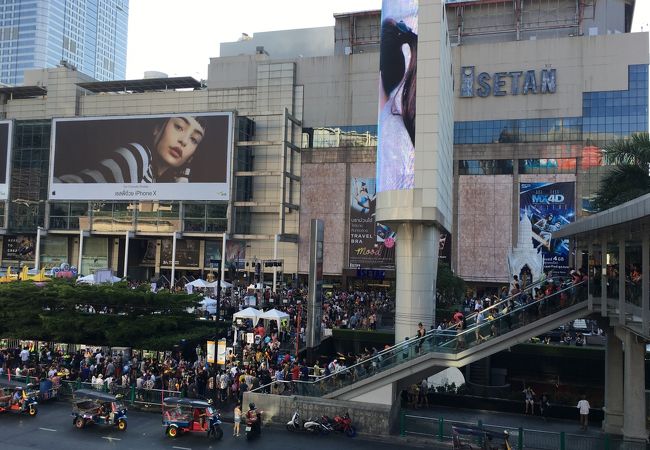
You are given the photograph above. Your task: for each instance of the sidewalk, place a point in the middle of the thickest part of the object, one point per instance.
(506, 420)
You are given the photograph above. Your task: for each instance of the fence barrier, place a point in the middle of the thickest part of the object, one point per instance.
(440, 429)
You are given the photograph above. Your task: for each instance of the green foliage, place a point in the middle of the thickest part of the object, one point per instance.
(450, 287)
(56, 311)
(629, 178)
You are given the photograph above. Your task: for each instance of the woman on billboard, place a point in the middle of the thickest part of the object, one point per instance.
(398, 67)
(166, 159)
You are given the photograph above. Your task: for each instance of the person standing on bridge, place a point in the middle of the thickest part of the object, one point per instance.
(583, 408)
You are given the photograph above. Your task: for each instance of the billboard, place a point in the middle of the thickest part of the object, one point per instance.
(549, 207)
(187, 253)
(19, 248)
(161, 157)
(396, 121)
(372, 244)
(5, 157)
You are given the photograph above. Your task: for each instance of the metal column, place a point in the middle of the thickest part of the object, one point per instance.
(171, 281)
(126, 252)
(81, 252)
(275, 259)
(37, 262)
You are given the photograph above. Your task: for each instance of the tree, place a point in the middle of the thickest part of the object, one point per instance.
(451, 288)
(63, 312)
(629, 178)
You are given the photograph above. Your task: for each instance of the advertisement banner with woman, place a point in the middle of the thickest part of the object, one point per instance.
(397, 66)
(162, 157)
(548, 207)
(372, 244)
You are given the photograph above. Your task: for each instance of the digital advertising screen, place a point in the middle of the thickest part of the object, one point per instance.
(397, 93)
(157, 157)
(549, 207)
(372, 244)
(5, 157)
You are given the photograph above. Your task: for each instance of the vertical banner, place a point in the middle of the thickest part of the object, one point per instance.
(372, 244)
(211, 352)
(549, 207)
(221, 352)
(314, 304)
(398, 68)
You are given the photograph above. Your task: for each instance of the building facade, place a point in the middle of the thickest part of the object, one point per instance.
(537, 92)
(90, 35)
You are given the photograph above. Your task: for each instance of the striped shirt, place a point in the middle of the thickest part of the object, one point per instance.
(129, 164)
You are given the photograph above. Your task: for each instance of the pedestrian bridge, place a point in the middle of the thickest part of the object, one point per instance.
(380, 378)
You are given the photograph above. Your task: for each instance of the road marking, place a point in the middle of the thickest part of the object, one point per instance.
(47, 429)
(182, 448)
(111, 439)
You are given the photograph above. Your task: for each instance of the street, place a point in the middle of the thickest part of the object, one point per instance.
(52, 429)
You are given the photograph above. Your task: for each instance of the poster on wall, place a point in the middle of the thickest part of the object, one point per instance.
(187, 253)
(19, 248)
(235, 254)
(444, 249)
(95, 254)
(372, 244)
(548, 207)
(156, 157)
(212, 254)
(397, 73)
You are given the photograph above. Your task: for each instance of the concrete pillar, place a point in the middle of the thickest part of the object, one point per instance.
(416, 260)
(603, 276)
(621, 281)
(645, 288)
(613, 422)
(634, 416)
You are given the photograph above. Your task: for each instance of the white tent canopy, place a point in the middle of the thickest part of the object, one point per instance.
(274, 314)
(209, 304)
(224, 284)
(198, 283)
(248, 313)
(90, 279)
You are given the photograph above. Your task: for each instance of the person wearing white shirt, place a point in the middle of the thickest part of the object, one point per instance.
(583, 408)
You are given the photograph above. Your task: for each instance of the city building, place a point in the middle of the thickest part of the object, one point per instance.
(89, 35)
(538, 90)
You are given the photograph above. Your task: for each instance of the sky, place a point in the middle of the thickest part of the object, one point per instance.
(179, 37)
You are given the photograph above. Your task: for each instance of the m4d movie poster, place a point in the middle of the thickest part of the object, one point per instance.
(546, 208)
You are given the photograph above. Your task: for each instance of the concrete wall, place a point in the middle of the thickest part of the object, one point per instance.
(368, 418)
(583, 64)
(304, 42)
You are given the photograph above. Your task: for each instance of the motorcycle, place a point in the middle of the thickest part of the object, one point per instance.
(309, 425)
(253, 424)
(342, 424)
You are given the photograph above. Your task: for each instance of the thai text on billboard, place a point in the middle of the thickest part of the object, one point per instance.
(397, 66)
(372, 244)
(162, 157)
(548, 207)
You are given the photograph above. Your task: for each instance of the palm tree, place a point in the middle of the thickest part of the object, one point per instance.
(630, 178)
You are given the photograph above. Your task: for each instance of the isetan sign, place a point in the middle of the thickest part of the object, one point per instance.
(499, 84)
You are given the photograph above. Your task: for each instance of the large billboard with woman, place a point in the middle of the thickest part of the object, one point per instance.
(398, 70)
(162, 157)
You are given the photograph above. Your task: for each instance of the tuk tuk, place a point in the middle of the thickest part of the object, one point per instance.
(187, 415)
(468, 437)
(90, 406)
(18, 400)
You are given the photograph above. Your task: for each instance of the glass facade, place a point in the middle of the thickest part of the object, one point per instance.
(605, 116)
(91, 35)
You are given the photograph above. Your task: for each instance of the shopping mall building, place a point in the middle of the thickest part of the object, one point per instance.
(539, 87)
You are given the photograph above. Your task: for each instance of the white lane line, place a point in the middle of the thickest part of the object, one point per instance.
(111, 439)
(47, 429)
(182, 448)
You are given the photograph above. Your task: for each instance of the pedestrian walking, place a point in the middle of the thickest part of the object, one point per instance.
(237, 419)
(583, 408)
